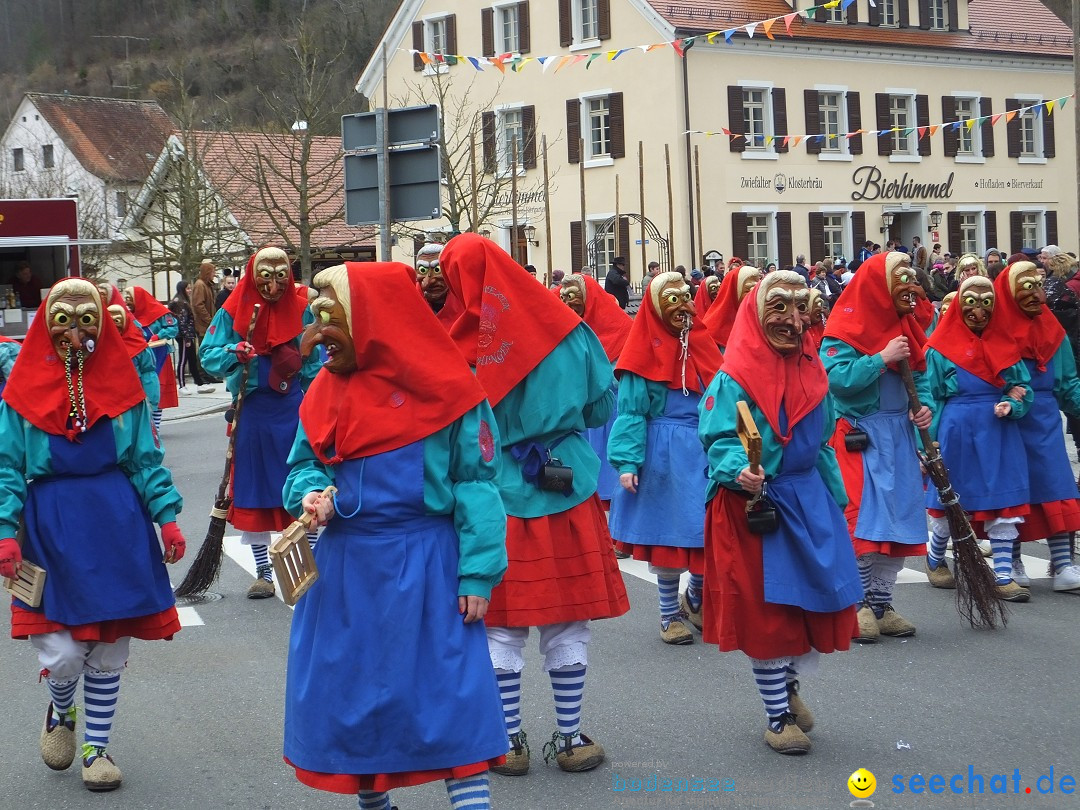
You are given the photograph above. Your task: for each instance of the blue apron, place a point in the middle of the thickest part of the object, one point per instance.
(88, 528)
(669, 507)
(985, 455)
(892, 509)
(161, 353)
(608, 480)
(266, 432)
(383, 675)
(808, 561)
(1050, 474)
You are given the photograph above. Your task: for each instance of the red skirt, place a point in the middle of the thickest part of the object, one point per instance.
(735, 613)
(163, 625)
(1048, 519)
(259, 520)
(562, 568)
(351, 784)
(687, 559)
(169, 394)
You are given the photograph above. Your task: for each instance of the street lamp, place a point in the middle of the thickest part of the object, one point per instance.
(530, 235)
(887, 218)
(935, 220)
(485, 232)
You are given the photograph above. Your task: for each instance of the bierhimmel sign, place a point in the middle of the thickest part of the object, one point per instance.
(871, 184)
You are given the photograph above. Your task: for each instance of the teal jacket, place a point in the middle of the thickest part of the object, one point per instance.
(854, 376)
(639, 401)
(941, 382)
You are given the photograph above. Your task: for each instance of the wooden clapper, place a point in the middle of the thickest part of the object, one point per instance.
(27, 587)
(294, 563)
(746, 428)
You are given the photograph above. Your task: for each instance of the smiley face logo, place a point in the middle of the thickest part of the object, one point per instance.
(862, 784)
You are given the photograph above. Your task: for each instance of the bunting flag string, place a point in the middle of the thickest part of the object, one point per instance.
(1036, 110)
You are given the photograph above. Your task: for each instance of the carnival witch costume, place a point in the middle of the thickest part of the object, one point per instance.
(721, 315)
(77, 439)
(156, 323)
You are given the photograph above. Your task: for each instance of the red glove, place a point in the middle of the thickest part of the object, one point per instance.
(10, 558)
(244, 351)
(175, 544)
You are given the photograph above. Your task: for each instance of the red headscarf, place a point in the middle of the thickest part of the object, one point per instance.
(402, 390)
(606, 318)
(652, 352)
(722, 313)
(796, 381)
(279, 322)
(133, 336)
(985, 355)
(703, 301)
(37, 388)
(1037, 338)
(509, 323)
(864, 317)
(147, 308)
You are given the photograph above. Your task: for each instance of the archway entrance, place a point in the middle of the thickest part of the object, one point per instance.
(611, 238)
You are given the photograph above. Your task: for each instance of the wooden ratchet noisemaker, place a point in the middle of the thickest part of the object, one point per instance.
(293, 560)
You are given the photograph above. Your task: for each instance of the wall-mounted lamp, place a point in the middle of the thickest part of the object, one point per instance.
(887, 218)
(530, 235)
(935, 220)
(121, 284)
(485, 232)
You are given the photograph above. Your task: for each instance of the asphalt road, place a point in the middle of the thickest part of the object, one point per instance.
(200, 718)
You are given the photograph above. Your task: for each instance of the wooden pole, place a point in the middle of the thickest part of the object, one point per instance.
(474, 226)
(697, 194)
(1076, 101)
(616, 223)
(547, 207)
(670, 210)
(384, 167)
(584, 224)
(513, 204)
(641, 187)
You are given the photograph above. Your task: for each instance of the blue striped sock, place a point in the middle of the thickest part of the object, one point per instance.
(100, 692)
(157, 421)
(693, 590)
(936, 553)
(1003, 556)
(510, 691)
(469, 793)
(313, 540)
(370, 800)
(568, 684)
(1059, 551)
(262, 562)
(669, 596)
(62, 694)
(791, 674)
(1016, 551)
(772, 686)
(866, 565)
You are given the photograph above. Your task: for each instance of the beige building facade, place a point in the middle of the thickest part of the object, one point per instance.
(1005, 178)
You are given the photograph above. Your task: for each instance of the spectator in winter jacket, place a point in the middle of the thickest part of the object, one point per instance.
(202, 297)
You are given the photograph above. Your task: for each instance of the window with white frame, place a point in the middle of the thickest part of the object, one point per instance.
(605, 248)
(835, 228)
(890, 15)
(511, 131)
(1031, 142)
(586, 14)
(435, 35)
(968, 138)
(18, 160)
(758, 231)
(1030, 224)
(598, 128)
(507, 22)
(755, 115)
(833, 15)
(969, 232)
(902, 115)
(831, 115)
(48, 157)
(121, 204)
(939, 15)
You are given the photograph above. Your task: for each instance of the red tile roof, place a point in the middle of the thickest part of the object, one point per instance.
(1020, 26)
(232, 162)
(114, 139)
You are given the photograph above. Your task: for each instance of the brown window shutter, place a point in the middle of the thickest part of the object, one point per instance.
(954, 15)
(487, 128)
(924, 14)
(986, 109)
(487, 31)
(817, 236)
(779, 118)
(1012, 129)
(853, 14)
(735, 118)
(528, 126)
(738, 235)
(576, 241)
(451, 33)
(783, 238)
(858, 232)
(603, 19)
(624, 236)
(952, 232)
(922, 118)
(812, 109)
(990, 229)
(875, 15)
(524, 28)
(566, 24)
(950, 137)
(1051, 229)
(1049, 145)
(905, 15)
(1016, 232)
(884, 122)
(573, 130)
(418, 45)
(618, 127)
(854, 122)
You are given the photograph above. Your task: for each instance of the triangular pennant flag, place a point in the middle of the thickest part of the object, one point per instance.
(711, 37)
(497, 63)
(681, 46)
(726, 131)
(424, 57)
(728, 35)
(933, 130)
(1036, 110)
(796, 140)
(453, 59)
(524, 61)
(994, 119)
(475, 62)
(809, 12)
(611, 55)
(970, 123)
(750, 28)
(579, 58)
(922, 133)
(832, 4)
(845, 4)
(1050, 107)
(562, 62)
(655, 46)
(786, 141)
(766, 26)
(592, 58)
(768, 140)
(787, 22)
(908, 131)
(1061, 102)
(1010, 115)
(545, 62)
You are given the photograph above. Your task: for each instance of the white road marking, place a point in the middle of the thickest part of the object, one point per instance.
(189, 617)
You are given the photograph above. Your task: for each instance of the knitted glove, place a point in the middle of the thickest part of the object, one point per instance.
(175, 544)
(244, 351)
(10, 557)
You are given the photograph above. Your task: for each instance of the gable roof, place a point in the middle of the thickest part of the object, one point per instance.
(114, 139)
(1021, 27)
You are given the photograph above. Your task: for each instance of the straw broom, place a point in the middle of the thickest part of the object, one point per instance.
(976, 589)
(207, 565)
